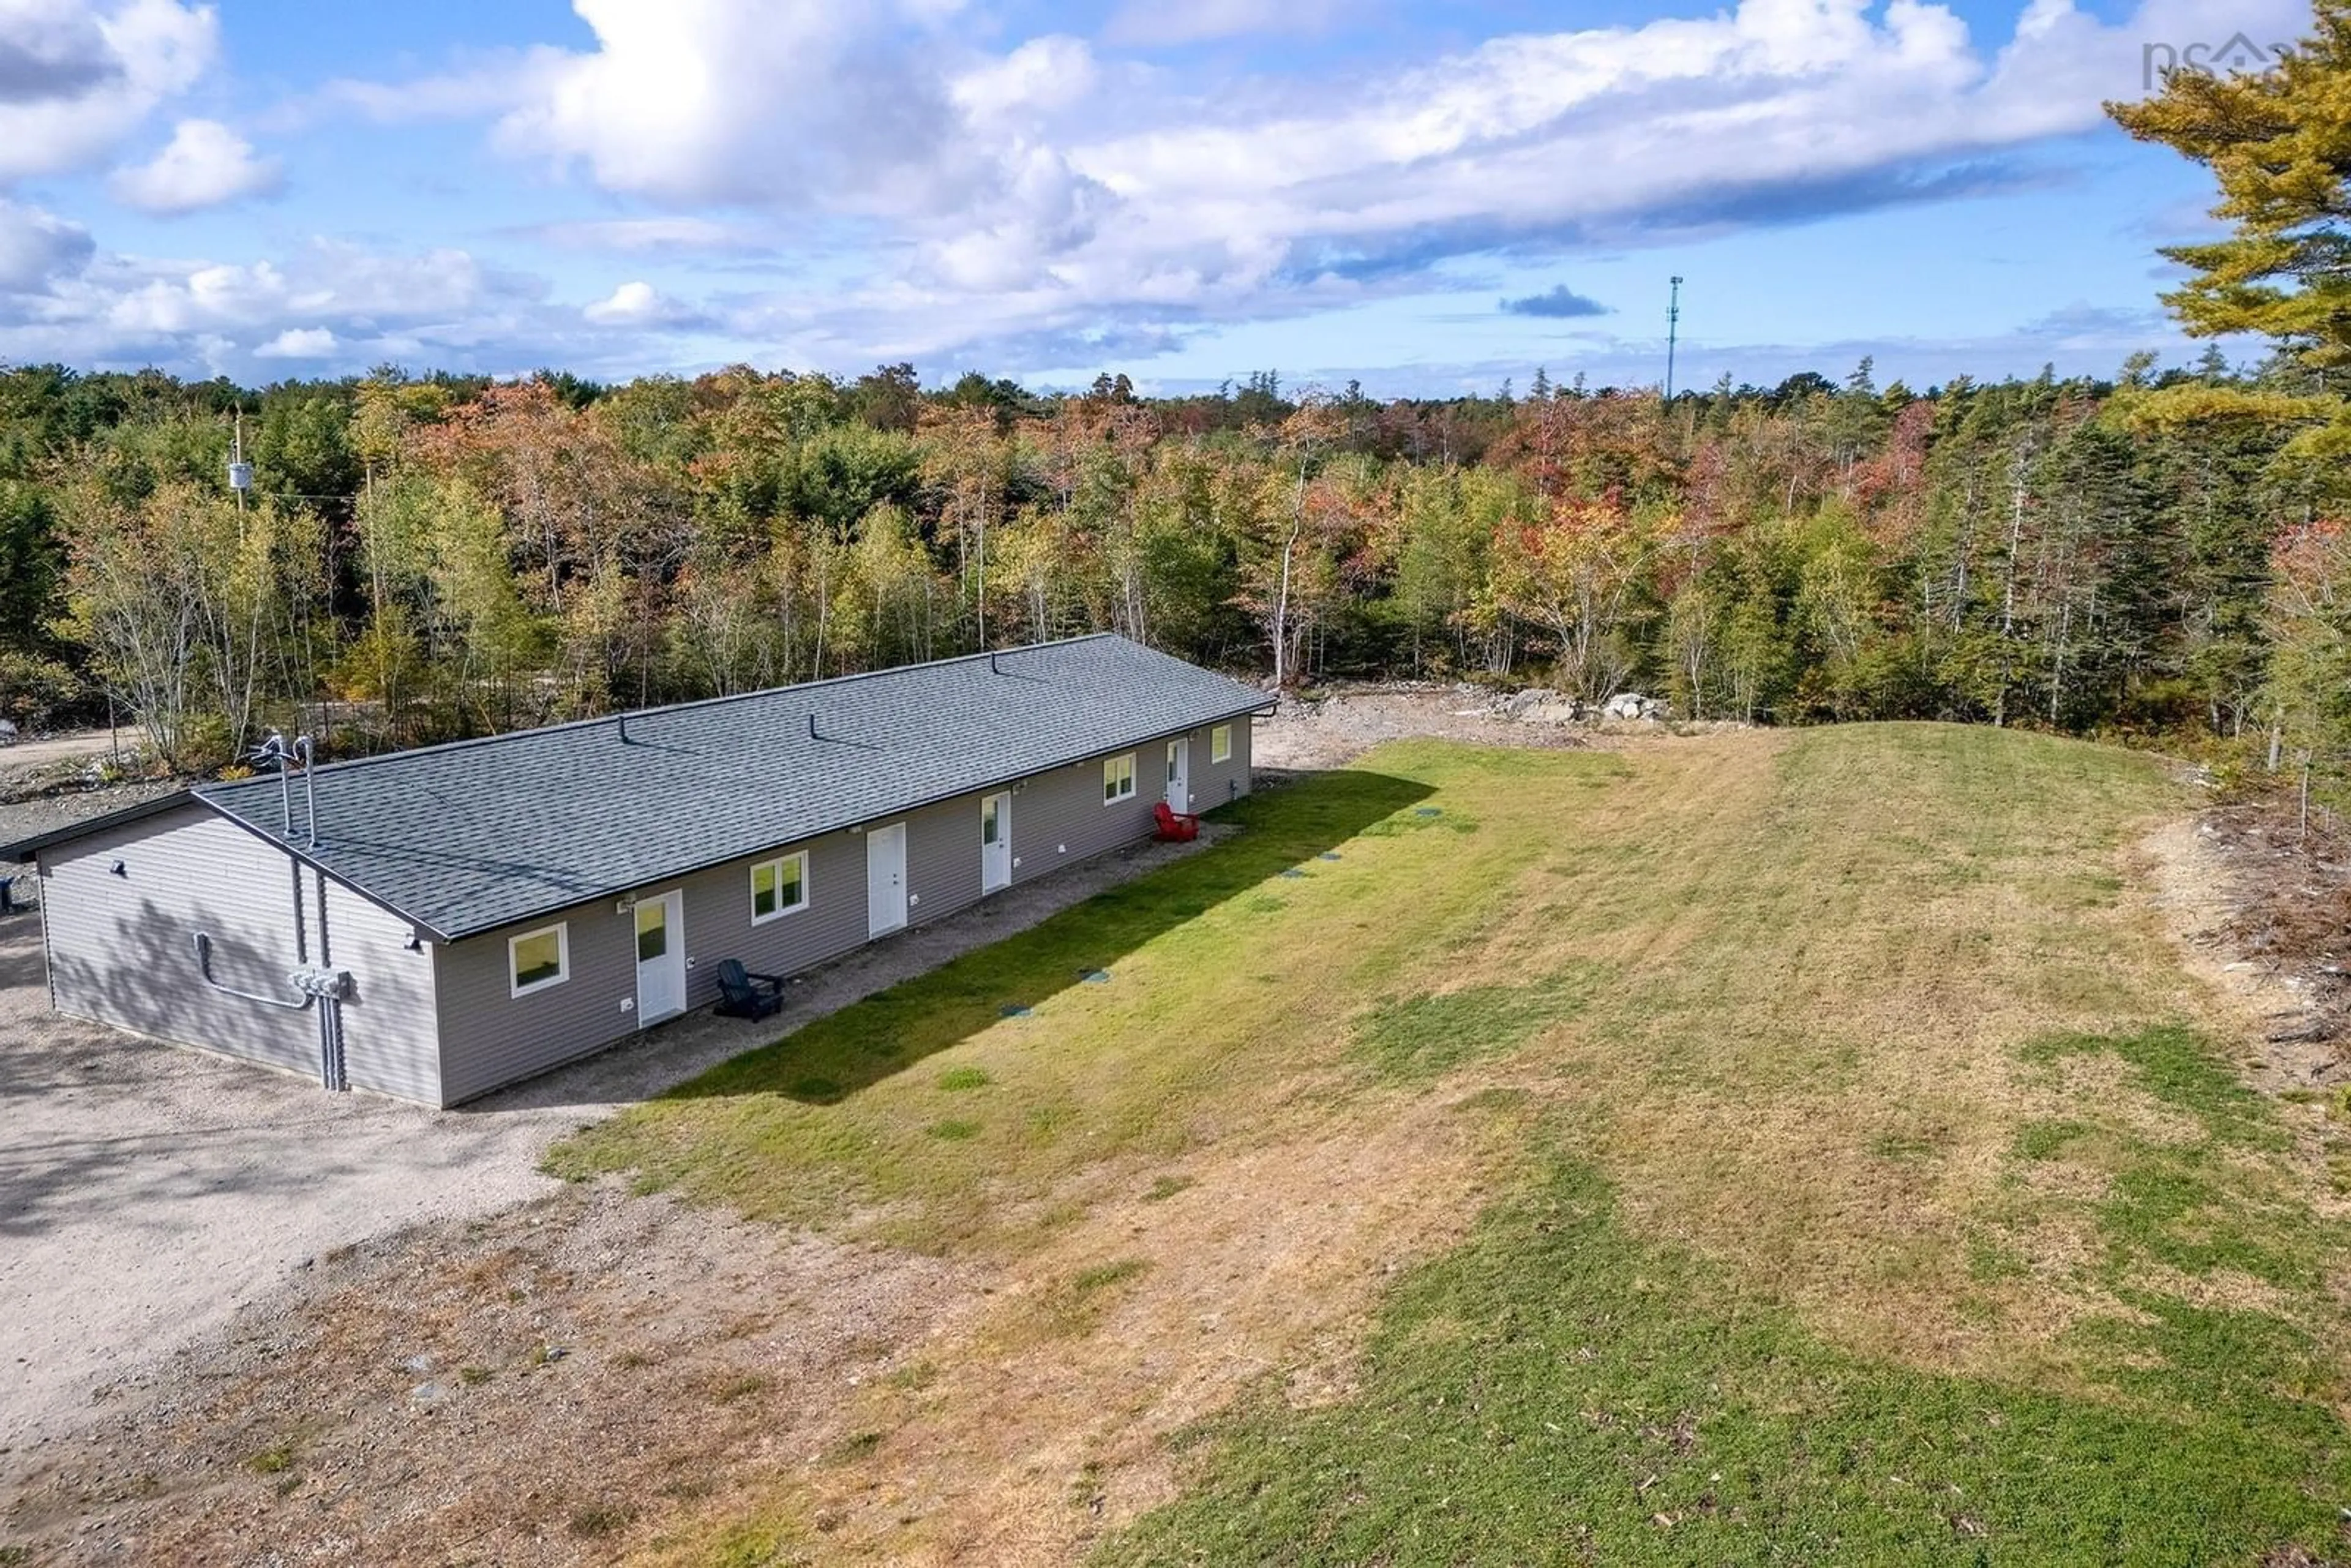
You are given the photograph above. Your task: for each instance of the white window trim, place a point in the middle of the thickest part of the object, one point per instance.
(562, 929)
(781, 908)
(1125, 793)
(1220, 744)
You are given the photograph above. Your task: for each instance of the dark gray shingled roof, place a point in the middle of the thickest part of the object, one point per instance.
(465, 837)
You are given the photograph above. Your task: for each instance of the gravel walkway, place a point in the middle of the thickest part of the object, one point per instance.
(147, 1191)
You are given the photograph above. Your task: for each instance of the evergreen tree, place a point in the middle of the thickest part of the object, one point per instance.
(2278, 143)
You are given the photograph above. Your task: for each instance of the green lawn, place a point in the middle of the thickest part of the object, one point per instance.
(922, 1114)
(1865, 1180)
(1562, 1390)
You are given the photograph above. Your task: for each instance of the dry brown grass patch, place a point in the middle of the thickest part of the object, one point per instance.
(1023, 1446)
(1864, 984)
(2227, 1290)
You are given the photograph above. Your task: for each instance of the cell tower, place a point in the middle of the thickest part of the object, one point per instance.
(1673, 330)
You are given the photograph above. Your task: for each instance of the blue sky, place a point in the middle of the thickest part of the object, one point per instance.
(1186, 191)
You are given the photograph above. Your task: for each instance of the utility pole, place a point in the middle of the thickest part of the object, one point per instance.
(1673, 328)
(240, 472)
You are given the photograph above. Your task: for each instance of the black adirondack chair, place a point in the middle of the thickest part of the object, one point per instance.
(743, 995)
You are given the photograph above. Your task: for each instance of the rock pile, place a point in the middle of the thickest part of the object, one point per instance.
(1633, 704)
(1541, 705)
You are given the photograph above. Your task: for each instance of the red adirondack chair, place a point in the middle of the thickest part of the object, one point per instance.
(1174, 827)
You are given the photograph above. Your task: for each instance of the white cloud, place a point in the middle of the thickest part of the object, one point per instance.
(205, 165)
(1778, 109)
(1041, 190)
(1047, 73)
(37, 248)
(629, 305)
(323, 307)
(329, 281)
(946, 193)
(298, 344)
(482, 83)
(329, 303)
(77, 79)
(782, 101)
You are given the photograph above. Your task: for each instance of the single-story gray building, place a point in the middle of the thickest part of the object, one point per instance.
(436, 924)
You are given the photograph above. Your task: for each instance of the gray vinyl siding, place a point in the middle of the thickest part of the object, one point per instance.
(122, 950)
(391, 1039)
(1060, 818)
(490, 1037)
(1216, 783)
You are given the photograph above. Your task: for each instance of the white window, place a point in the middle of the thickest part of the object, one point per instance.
(1220, 744)
(538, 959)
(1118, 778)
(778, 887)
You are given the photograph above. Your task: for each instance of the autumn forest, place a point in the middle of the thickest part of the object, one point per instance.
(422, 557)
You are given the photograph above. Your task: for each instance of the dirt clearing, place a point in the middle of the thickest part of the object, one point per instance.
(515, 1391)
(148, 1191)
(577, 1374)
(1339, 722)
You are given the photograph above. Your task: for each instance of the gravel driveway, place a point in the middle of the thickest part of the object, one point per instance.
(147, 1191)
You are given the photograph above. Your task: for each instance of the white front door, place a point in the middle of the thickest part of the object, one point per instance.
(886, 879)
(661, 957)
(1179, 775)
(995, 841)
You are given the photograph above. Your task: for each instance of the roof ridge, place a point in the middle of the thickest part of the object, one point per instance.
(349, 763)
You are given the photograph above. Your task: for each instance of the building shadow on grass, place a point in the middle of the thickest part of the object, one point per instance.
(1293, 822)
